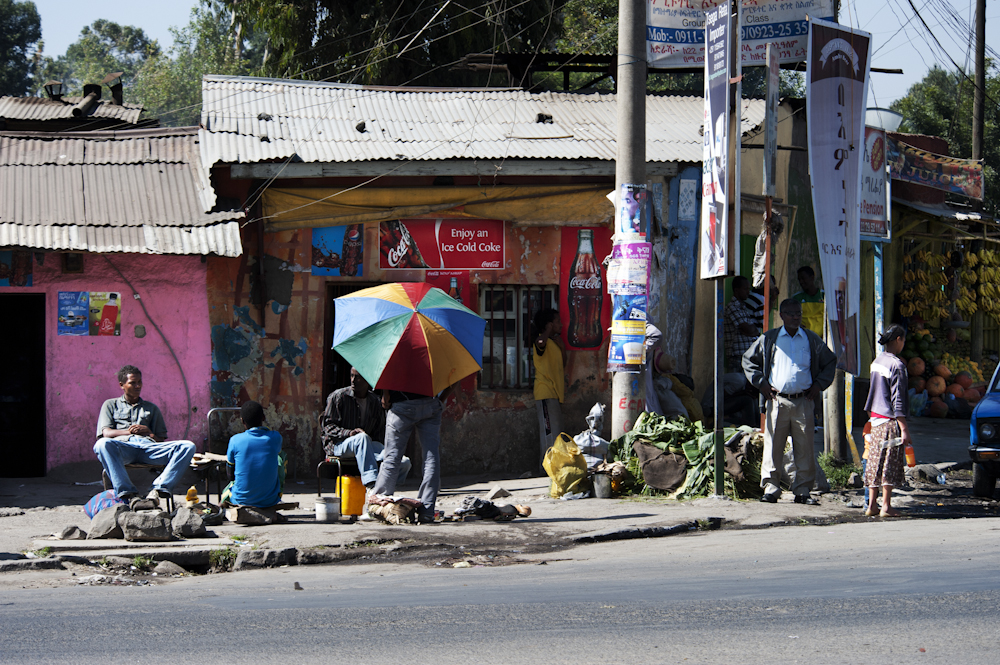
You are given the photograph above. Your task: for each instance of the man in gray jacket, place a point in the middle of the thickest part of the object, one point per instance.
(790, 366)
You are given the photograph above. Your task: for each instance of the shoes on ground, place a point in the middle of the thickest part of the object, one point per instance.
(807, 500)
(771, 497)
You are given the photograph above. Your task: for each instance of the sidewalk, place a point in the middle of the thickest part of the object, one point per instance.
(33, 509)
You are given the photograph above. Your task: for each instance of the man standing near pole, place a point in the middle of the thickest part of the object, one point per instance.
(790, 366)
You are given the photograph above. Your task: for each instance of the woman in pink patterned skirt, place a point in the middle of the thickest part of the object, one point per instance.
(887, 405)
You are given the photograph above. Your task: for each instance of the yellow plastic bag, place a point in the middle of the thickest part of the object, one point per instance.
(565, 466)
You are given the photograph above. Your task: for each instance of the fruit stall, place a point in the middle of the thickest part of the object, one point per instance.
(940, 293)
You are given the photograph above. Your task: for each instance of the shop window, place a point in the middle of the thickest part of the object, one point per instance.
(508, 311)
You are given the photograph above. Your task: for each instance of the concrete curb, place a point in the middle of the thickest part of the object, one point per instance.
(606, 535)
(21, 565)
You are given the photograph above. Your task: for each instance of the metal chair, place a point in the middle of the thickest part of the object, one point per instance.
(350, 462)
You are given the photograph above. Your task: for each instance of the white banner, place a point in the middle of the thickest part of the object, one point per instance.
(836, 90)
(675, 35)
(874, 210)
(715, 152)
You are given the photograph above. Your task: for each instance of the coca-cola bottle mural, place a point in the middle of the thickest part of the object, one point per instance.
(351, 250)
(586, 294)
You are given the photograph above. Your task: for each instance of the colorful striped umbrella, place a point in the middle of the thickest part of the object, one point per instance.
(410, 336)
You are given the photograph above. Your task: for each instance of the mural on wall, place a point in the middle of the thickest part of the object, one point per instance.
(15, 268)
(105, 313)
(73, 317)
(338, 251)
(585, 308)
(453, 282)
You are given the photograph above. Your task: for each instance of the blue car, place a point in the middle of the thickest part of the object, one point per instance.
(984, 441)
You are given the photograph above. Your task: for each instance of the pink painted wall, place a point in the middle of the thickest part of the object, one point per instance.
(80, 371)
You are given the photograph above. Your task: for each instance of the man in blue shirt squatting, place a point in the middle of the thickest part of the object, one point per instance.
(253, 462)
(131, 430)
(790, 366)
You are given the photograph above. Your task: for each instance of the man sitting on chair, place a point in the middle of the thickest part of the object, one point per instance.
(255, 462)
(131, 430)
(353, 425)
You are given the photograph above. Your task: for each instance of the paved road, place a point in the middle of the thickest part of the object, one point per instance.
(877, 592)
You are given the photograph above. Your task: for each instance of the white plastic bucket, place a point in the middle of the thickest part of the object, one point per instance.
(328, 509)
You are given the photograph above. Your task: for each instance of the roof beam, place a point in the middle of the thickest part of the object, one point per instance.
(452, 167)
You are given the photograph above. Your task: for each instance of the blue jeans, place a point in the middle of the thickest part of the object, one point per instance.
(115, 454)
(424, 415)
(368, 454)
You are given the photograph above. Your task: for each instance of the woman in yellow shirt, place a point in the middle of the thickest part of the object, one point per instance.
(547, 352)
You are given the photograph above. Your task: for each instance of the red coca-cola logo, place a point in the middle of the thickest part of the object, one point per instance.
(396, 254)
(590, 282)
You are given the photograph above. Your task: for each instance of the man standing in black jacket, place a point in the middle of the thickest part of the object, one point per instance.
(353, 425)
(790, 366)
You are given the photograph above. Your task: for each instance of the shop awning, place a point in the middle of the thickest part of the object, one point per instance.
(584, 205)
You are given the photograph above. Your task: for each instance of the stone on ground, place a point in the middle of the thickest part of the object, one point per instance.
(168, 568)
(188, 524)
(71, 533)
(105, 523)
(146, 526)
(497, 493)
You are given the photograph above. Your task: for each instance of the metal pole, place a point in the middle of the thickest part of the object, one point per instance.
(628, 390)
(976, 334)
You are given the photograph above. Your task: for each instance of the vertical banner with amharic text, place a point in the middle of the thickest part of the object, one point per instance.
(836, 91)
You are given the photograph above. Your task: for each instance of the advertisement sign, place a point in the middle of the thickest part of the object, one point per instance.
(15, 268)
(73, 316)
(836, 90)
(950, 174)
(584, 304)
(338, 250)
(627, 351)
(453, 282)
(105, 313)
(874, 192)
(715, 152)
(456, 244)
(629, 268)
(631, 202)
(771, 120)
(675, 37)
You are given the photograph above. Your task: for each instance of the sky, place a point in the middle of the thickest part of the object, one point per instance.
(899, 40)
(62, 20)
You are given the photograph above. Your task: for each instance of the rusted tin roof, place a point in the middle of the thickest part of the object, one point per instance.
(43, 108)
(248, 120)
(129, 191)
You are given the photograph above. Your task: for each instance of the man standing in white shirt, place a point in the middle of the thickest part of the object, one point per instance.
(790, 366)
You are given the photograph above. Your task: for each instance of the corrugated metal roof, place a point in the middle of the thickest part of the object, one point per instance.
(43, 108)
(130, 191)
(249, 120)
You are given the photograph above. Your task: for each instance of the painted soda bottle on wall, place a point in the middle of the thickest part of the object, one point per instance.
(351, 250)
(454, 291)
(109, 315)
(586, 294)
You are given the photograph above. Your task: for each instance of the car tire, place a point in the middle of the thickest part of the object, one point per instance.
(983, 482)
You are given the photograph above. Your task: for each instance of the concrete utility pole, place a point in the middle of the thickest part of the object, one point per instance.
(978, 113)
(628, 391)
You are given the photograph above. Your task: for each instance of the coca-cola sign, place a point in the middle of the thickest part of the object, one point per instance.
(584, 305)
(459, 244)
(591, 283)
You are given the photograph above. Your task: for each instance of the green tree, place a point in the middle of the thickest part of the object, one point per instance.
(20, 30)
(103, 47)
(941, 105)
(369, 41)
(168, 85)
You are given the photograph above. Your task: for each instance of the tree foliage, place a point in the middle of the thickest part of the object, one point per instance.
(168, 85)
(103, 47)
(20, 31)
(369, 41)
(941, 105)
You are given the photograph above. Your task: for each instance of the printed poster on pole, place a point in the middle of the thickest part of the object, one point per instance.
(874, 187)
(714, 234)
(675, 38)
(836, 90)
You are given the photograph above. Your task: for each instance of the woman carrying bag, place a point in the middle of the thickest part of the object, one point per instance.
(888, 406)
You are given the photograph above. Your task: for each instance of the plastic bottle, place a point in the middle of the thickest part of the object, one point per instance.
(192, 496)
(911, 456)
